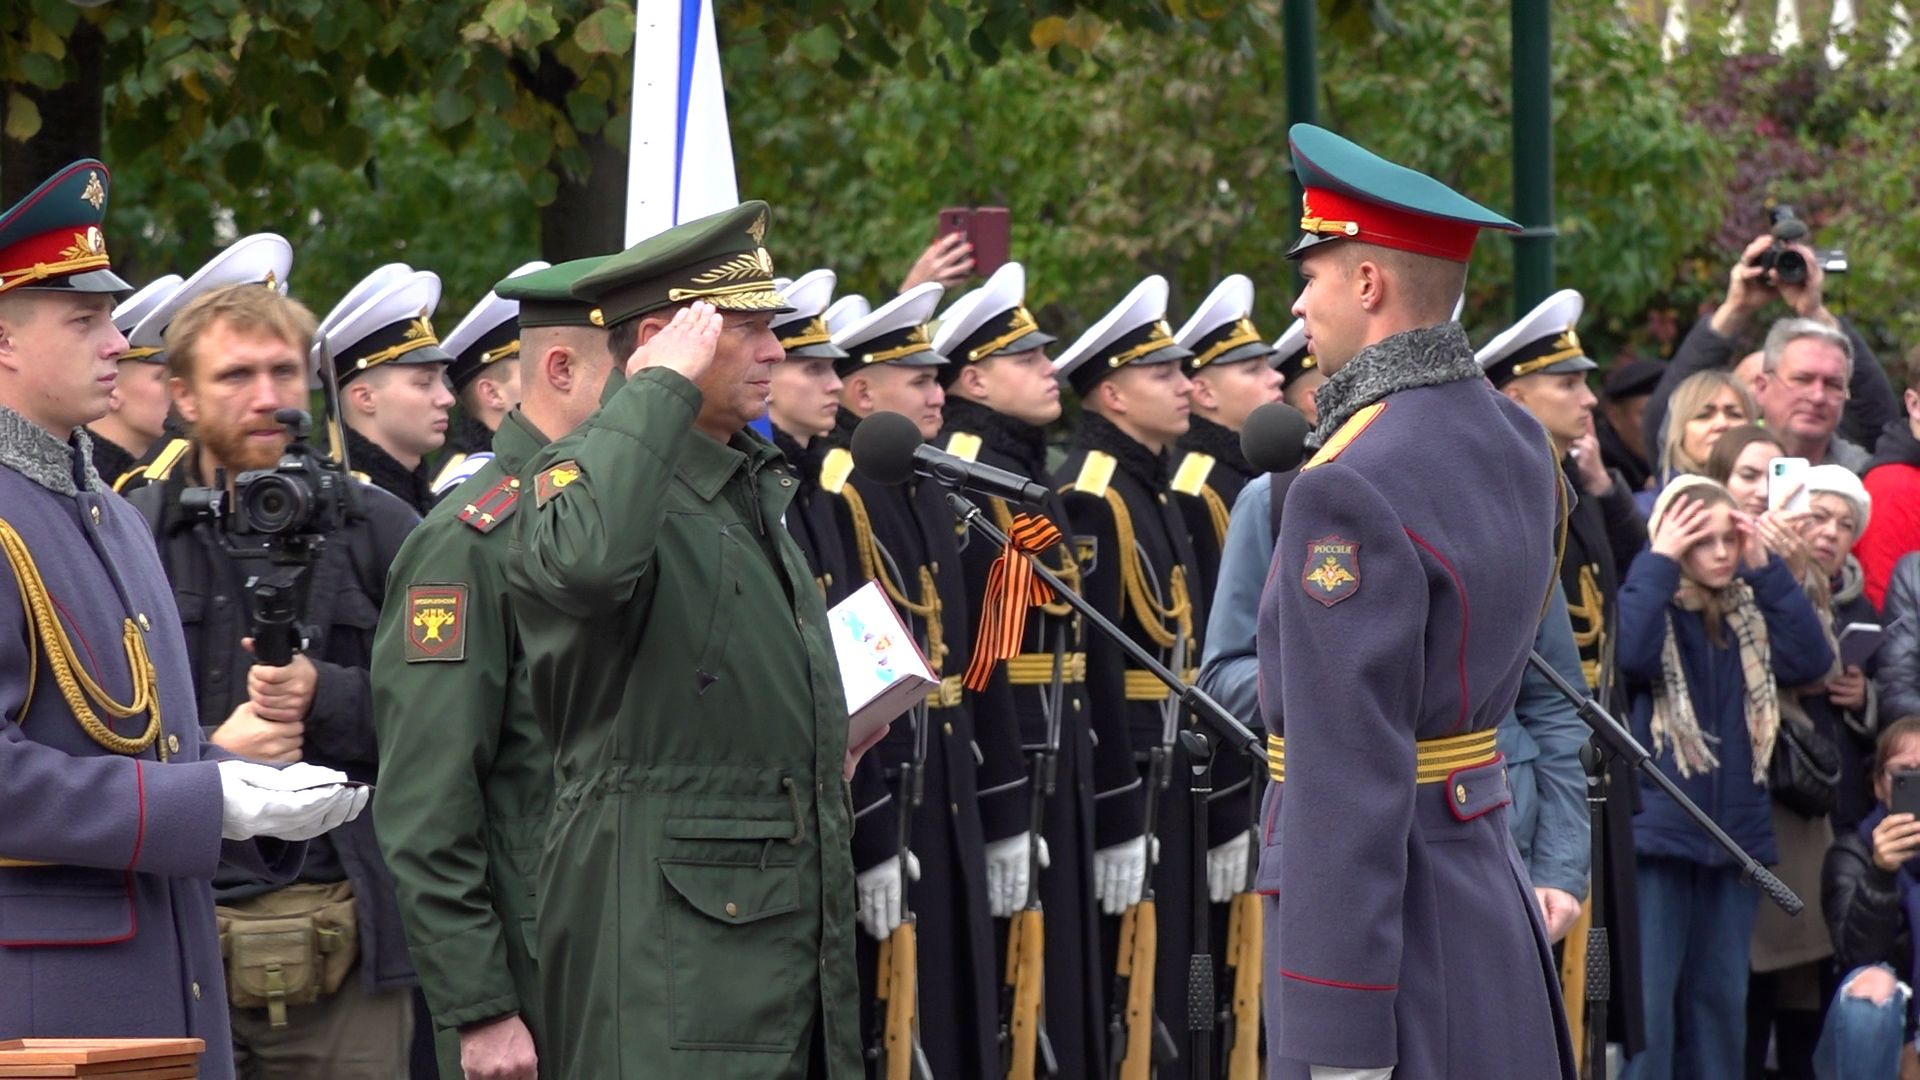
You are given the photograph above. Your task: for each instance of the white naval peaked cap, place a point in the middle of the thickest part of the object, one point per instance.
(804, 332)
(893, 333)
(260, 259)
(846, 311)
(1134, 332)
(990, 321)
(1221, 330)
(1543, 342)
(128, 313)
(362, 290)
(393, 326)
(488, 333)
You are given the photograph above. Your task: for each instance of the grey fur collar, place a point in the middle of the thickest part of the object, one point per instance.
(33, 452)
(1428, 356)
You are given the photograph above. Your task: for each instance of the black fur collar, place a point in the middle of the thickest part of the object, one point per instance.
(1023, 442)
(411, 486)
(1099, 433)
(1218, 442)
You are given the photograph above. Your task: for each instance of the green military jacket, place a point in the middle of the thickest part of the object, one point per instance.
(697, 897)
(465, 780)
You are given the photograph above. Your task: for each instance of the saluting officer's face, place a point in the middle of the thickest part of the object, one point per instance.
(58, 349)
(735, 389)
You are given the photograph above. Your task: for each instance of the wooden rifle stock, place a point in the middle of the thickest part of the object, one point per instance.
(1245, 940)
(1139, 945)
(898, 988)
(1026, 951)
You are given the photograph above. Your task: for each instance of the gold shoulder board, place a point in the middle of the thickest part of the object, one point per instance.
(1096, 472)
(964, 445)
(1192, 473)
(163, 462)
(1348, 432)
(454, 461)
(835, 470)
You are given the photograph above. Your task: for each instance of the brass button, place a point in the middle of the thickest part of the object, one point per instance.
(173, 744)
(935, 567)
(195, 988)
(144, 624)
(732, 908)
(947, 727)
(1460, 793)
(786, 481)
(953, 808)
(514, 483)
(1076, 703)
(96, 515)
(1163, 498)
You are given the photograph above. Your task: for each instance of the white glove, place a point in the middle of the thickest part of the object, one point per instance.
(1331, 1072)
(298, 802)
(1227, 868)
(1007, 873)
(1118, 873)
(880, 896)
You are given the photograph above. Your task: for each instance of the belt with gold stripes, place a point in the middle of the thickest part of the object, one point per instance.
(1144, 685)
(1036, 668)
(1434, 759)
(947, 695)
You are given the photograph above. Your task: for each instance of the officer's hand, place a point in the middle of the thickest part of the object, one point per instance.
(684, 345)
(298, 802)
(246, 734)
(948, 260)
(499, 1049)
(1748, 290)
(1558, 909)
(1007, 873)
(880, 891)
(285, 693)
(1118, 873)
(1227, 868)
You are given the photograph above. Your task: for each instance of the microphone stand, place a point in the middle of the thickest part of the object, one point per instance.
(1229, 731)
(1618, 741)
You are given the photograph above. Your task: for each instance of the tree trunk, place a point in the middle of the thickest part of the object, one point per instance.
(70, 120)
(588, 217)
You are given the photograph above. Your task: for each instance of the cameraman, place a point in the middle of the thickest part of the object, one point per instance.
(1714, 343)
(237, 355)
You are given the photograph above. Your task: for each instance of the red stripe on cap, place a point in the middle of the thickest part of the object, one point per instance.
(1390, 226)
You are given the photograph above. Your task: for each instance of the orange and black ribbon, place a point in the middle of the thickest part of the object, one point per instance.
(1012, 588)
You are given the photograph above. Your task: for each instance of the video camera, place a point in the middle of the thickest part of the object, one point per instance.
(1785, 265)
(293, 506)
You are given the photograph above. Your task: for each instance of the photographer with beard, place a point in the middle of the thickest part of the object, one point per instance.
(237, 355)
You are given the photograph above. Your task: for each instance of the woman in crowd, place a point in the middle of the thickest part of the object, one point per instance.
(1703, 407)
(1739, 460)
(1870, 892)
(1709, 620)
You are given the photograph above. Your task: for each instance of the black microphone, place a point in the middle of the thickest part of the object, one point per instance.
(887, 449)
(1275, 437)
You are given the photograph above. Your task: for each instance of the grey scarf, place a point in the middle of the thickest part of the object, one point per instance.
(1428, 356)
(34, 452)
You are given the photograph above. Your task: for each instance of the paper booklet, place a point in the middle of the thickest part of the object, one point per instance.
(881, 666)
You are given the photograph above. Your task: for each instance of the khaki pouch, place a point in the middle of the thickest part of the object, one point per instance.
(292, 946)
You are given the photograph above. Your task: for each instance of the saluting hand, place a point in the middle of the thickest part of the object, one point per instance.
(685, 345)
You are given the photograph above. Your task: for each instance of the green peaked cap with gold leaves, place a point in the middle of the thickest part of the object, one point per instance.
(721, 258)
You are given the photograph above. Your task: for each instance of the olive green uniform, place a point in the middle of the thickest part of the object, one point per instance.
(465, 779)
(696, 892)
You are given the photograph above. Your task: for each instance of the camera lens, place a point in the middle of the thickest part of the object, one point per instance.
(1790, 267)
(273, 504)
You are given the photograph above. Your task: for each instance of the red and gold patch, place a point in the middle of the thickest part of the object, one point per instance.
(551, 480)
(1332, 572)
(436, 622)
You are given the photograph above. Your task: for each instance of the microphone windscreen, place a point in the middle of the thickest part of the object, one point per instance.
(1275, 437)
(883, 446)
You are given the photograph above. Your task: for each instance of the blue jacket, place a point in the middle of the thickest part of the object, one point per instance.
(1728, 794)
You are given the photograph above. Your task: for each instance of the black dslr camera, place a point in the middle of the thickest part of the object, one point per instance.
(293, 506)
(1785, 265)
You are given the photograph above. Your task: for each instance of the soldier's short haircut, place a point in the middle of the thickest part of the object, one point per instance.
(1785, 332)
(243, 308)
(1431, 285)
(17, 308)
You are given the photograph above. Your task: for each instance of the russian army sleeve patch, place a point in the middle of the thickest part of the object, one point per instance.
(436, 622)
(1332, 572)
(552, 479)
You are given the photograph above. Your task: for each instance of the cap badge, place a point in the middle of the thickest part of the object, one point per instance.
(85, 244)
(758, 230)
(95, 193)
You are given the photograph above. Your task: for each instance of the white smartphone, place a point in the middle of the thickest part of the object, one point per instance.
(1784, 475)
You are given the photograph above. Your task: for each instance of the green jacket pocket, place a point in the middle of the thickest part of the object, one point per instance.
(727, 917)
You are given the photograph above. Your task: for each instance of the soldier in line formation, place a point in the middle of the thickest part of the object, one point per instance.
(607, 710)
